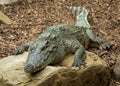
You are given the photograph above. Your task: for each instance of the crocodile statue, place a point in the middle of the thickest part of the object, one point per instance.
(57, 41)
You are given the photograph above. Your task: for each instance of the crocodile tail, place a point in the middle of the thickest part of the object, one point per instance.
(81, 19)
(81, 16)
(75, 9)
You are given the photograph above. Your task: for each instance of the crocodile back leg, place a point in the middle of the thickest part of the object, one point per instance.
(98, 41)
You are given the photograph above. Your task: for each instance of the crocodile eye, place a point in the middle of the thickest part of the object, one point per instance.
(32, 48)
(45, 58)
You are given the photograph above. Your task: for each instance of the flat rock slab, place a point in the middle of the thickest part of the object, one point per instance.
(117, 68)
(95, 73)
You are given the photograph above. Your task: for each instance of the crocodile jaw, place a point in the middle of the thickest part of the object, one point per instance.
(30, 68)
(35, 61)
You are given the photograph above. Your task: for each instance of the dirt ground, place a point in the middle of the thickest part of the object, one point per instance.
(31, 17)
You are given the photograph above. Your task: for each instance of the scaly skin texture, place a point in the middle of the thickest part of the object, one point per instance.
(58, 41)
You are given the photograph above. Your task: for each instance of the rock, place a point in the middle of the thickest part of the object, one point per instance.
(5, 18)
(7, 1)
(117, 68)
(95, 73)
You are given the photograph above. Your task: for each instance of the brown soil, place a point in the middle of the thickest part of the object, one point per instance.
(31, 17)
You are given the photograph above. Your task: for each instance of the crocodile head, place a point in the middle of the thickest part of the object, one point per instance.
(38, 58)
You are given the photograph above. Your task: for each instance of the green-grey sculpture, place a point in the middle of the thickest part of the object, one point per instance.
(60, 40)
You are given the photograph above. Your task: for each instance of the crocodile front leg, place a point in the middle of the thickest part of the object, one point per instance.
(79, 52)
(102, 44)
(80, 56)
(22, 48)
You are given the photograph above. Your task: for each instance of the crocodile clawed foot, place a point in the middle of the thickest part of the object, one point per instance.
(106, 45)
(78, 64)
(14, 53)
(19, 51)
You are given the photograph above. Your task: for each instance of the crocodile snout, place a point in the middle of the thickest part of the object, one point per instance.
(29, 68)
